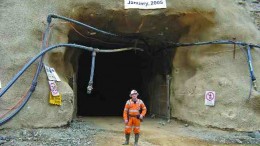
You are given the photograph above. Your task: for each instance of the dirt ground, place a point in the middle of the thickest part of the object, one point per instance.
(108, 131)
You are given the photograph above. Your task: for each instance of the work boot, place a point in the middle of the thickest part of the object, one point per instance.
(136, 139)
(127, 137)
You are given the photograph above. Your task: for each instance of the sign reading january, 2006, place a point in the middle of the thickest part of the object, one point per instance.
(145, 4)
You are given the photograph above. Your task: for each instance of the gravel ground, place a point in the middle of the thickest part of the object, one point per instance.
(90, 133)
(222, 136)
(77, 133)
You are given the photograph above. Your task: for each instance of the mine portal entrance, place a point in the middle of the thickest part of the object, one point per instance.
(115, 75)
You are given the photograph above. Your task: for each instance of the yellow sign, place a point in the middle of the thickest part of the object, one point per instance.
(56, 100)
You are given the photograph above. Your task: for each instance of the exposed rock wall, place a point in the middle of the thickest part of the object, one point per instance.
(201, 68)
(21, 35)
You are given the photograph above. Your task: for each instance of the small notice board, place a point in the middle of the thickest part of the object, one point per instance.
(210, 97)
(145, 4)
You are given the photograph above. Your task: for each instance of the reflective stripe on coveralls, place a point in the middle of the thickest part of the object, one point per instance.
(133, 123)
(132, 127)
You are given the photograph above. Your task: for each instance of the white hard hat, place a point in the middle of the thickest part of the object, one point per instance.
(133, 92)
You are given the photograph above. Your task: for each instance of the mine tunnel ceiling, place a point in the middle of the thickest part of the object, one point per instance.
(150, 32)
(151, 45)
(156, 50)
(153, 35)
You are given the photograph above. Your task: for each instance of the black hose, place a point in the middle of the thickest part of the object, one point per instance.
(250, 82)
(90, 83)
(250, 65)
(35, 79)
(213, 42)
(251, 71)
(2, 121)
(81, 24)
(53, 47)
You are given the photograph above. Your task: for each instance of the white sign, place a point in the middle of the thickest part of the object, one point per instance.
(51, 74)
(210, 97)
(145, 4)
(54, 88)
(55, 74)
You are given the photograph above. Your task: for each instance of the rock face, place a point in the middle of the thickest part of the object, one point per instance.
(195, 69)
(213, 67)
(21, 29)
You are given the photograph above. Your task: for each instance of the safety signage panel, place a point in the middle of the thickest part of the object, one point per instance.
(54, 88)
(51, 74)
(56, 100)
(210, 97)
(145, 4)
(55, 74)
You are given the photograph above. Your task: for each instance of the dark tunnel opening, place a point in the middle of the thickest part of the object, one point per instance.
(115, 75)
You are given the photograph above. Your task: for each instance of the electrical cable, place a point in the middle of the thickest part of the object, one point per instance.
(34, 83)
(57, 46)
(81, 24)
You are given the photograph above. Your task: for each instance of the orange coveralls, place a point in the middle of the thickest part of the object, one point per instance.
(133, 109)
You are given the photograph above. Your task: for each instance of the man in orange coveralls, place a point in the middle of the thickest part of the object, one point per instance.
(132, 116)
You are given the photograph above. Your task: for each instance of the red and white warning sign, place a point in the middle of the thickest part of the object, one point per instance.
(54, 88)
(210, 97)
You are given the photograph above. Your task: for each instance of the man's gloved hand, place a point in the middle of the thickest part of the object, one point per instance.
(141, 117)
(126, 121)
